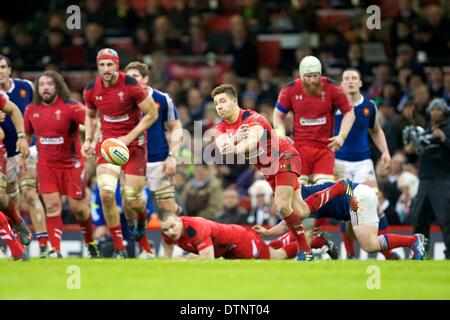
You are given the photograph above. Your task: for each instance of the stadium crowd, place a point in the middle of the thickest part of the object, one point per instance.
(412, 69)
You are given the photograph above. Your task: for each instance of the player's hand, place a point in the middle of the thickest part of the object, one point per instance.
(260, 229)
(2, 116)
(336, 143)
(87, 150)
(386, 160)
(242, 133)
(170, 166)
(227, 148)
(125, 140)
(22, 165)
(439, 134)
(22, 148)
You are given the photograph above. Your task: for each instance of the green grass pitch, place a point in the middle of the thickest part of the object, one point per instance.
(222, 279)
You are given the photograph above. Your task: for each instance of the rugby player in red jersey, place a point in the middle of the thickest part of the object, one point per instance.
(17, 250)
(314, 100)
(206, 239)
(247, 133)
(6, 202)
(119, 101)
(54, 120)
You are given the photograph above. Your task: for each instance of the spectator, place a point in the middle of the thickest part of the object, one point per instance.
(142, 42)
(406, 57)
(403, 35)
(242, 48)
(197, 43)
(413, 81)
(421, 98)
(386, 207)
(121, 18)
(56, 42)
(232, 212)
(203, 194)
(25, 54)
(435, 82)
(93, 33)
(195, 104)
(408, 184)
(390, 190)
(165, 36)
(302, 15)
(382, 74)
(268, 91)
(6, 40)
(261, 212)
(245, 180)
(256, 15)
(179, 15)
(355, 59)
(93, 12)
(211, 119)
(446, 93)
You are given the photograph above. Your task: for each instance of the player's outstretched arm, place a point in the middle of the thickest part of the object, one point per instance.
(378, 137)
(148, 107)
(14, 112)
(275, 231)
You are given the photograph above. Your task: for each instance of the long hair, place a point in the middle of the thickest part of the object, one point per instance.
(62, 89)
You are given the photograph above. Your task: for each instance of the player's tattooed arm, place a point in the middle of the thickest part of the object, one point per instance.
(90, 126)
(250, 143)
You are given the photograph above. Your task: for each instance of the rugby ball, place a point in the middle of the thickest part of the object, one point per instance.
(115, 151)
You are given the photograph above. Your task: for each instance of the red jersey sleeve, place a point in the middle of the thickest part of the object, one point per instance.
(27, 123)
(87, 97)
(339, 99)
(138, 92)
(284, 100)
(3, 100)
(202, 239)
(78, 113)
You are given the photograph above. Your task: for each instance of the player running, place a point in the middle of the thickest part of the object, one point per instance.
(353, 160)
(247, 133)
(54, 119)
(313, 100)
(164, 139)
(363, 222)
(17, 250)
(206, 239)
(125, 110)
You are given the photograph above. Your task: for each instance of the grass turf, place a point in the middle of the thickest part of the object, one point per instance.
(221, 279)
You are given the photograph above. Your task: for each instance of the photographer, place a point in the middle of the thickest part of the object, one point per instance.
(433, 149)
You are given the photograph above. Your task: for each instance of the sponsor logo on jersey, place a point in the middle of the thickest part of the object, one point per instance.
(98, 98)
(58, 140)
(313, 122)
(121, 118)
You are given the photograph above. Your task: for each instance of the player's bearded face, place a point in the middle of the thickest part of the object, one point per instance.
(312, 84)
(47, 89)
(107, 69)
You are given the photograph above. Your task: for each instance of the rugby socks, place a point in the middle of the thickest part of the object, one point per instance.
(320, 198)
(144, 245)
(291, 250)
(8, 237)
(12, 213)
(391, 241)
(117, 237)
(294, 224)
(86, 229)
(42, 238)
(383, 229)
(348, 244)
(55, 229)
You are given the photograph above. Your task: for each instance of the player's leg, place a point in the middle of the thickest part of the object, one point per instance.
(284, 193)
(365, 226)
(53, 204)
(8, 207)
(76, 195)
(135, 208)
(28, 190)
(163, 187)
(107, 180)
(17, 250)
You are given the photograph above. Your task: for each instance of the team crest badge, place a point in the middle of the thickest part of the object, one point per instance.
(23, 93)
(366, 112)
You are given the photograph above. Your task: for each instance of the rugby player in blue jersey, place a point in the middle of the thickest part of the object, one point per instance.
(164, 139)
(353, 160)
(362, 219)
